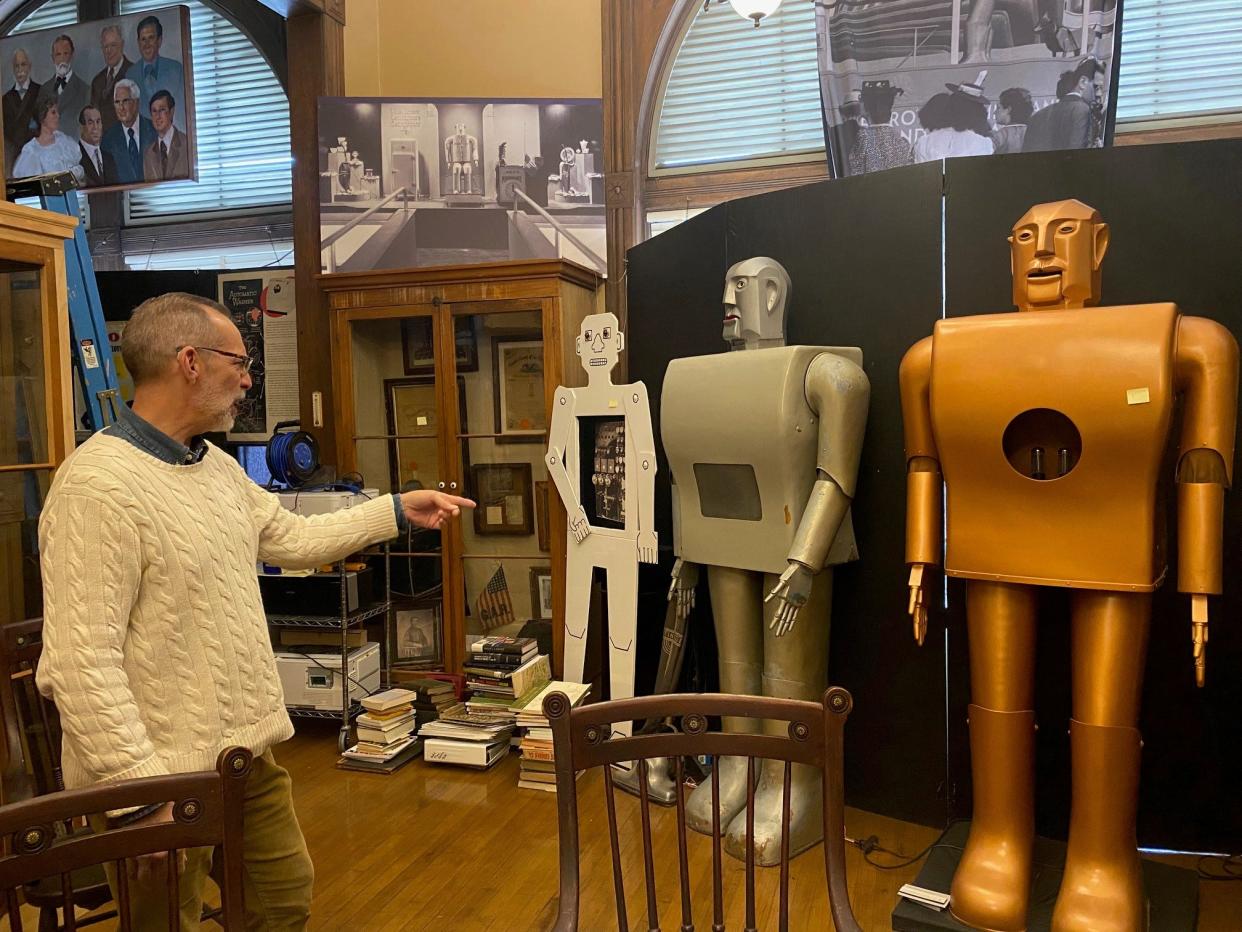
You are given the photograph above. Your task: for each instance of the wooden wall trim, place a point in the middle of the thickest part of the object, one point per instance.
(508, 271)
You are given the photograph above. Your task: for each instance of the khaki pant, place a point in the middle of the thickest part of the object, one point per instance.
(277, 873)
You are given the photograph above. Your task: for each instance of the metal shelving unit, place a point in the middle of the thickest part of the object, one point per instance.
(344, 621)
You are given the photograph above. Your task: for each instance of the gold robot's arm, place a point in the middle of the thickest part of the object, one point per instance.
(839, 393)
(1206, 373)
(924, 485)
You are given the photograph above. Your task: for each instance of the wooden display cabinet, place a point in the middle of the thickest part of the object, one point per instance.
(36, 394)
(444, 378)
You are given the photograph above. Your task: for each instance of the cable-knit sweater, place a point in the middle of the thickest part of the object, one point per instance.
(156, 650)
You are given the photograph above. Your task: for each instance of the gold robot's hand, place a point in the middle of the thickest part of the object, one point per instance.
(793, 589)
(918, 602)
(1199, 636)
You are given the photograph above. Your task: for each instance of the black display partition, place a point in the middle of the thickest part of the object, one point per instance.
(864, 258)
(1175, 217)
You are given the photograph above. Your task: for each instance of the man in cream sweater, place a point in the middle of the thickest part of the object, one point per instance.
(156, 649)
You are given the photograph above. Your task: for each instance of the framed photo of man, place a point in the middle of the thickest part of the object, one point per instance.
(110, 101)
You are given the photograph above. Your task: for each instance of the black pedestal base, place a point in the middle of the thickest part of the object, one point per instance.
(1173, 892)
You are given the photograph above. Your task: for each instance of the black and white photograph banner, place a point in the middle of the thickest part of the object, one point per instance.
(408, 183)
(908, 81)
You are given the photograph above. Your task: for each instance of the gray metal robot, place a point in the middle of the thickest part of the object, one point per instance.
(763, 445)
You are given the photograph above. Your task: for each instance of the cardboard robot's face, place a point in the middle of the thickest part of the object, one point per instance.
(754, 301)
(599, 343)
(1056, 251)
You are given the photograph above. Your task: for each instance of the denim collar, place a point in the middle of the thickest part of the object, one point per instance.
(142, 434)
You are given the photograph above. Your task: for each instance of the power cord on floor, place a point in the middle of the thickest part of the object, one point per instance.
(872, 843)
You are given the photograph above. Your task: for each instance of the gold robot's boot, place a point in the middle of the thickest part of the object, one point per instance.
(1102, 890)
(992, 886)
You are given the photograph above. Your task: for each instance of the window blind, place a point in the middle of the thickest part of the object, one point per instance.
(242, 121)
(1180, 58)
(53, 13)
(736, 93)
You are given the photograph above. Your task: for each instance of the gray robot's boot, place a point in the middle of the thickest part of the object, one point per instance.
(661, 784)
(732, 796)
(806, 814)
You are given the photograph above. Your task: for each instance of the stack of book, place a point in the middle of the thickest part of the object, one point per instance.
(434, 698)
(504, 668)
(538, 766)
(385, 733)
(470, 739)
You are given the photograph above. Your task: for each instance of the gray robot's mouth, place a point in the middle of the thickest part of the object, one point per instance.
(730, 318)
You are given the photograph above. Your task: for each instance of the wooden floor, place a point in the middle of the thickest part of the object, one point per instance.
(444, 848)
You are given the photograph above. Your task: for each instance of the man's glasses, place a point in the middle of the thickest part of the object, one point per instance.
(244, 362)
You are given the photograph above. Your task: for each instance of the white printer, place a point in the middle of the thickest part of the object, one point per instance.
(311, 679)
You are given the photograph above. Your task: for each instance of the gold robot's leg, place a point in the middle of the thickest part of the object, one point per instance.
(1102, 889)
(991, 889)
(737, 609)
(795, 666)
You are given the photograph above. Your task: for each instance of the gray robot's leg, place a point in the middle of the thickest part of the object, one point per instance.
(661, 785)
(795, 667)
(737, 608)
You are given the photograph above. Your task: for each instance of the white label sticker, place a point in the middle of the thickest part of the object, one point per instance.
(1138, 396)
(89, 355)
(422, 421)
(495, 514)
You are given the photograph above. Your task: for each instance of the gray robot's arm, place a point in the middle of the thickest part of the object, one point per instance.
(448, 150)
(638, 423)
(685, 576)
(838, 391)
(472, 147)
(560, 434)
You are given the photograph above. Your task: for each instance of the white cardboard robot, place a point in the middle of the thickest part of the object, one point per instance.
(609, 498)
(763, 446)
(461, 151)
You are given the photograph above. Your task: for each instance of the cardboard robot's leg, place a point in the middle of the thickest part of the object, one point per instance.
(579, 570)
(737, 609)
(661, 783)
(795, 666)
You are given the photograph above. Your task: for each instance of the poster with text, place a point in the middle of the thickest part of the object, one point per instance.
(261, 305)
(409, 183)
(111, 101)
(908, 81)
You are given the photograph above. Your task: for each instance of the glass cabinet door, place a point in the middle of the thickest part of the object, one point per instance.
(501, 436)
(399, 445)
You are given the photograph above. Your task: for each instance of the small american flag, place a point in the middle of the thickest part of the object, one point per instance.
(495, 606)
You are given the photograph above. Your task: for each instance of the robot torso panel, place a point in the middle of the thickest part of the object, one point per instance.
(743, 471)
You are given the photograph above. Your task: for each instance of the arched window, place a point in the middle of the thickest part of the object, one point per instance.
(242, 120)
(739, 96)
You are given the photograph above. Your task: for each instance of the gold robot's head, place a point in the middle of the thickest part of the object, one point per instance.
(1056, 252)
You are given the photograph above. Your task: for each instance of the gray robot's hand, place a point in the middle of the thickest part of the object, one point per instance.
(647, 547)
(685, 578)
(580, 525)
(793, 589)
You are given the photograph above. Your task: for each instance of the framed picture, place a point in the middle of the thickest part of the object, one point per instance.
(503, 493)
(541, 513)
(414, 422)
(418, 353)
(417, 635)
(517, 378)
(541, 591)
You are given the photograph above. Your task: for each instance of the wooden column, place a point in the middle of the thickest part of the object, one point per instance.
(316, 68)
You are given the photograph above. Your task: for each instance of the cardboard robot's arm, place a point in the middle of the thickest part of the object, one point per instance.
(839, 393)
(1206, 372)
(560, 436)
(924, 485)
(638, 423)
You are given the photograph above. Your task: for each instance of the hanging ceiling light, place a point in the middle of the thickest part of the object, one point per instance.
(755, 9)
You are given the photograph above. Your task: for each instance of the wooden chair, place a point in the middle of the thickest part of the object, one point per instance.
(207, 811)
(582, 740)
(32, 764)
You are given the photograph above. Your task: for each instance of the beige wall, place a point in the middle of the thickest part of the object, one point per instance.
(473, 48)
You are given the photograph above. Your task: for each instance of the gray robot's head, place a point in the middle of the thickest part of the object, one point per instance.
(459, 129)
(754, 302)
(599, 343)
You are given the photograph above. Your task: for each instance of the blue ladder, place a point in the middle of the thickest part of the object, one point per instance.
(92, 354)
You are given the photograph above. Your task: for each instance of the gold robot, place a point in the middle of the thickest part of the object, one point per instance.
(1047, 428)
